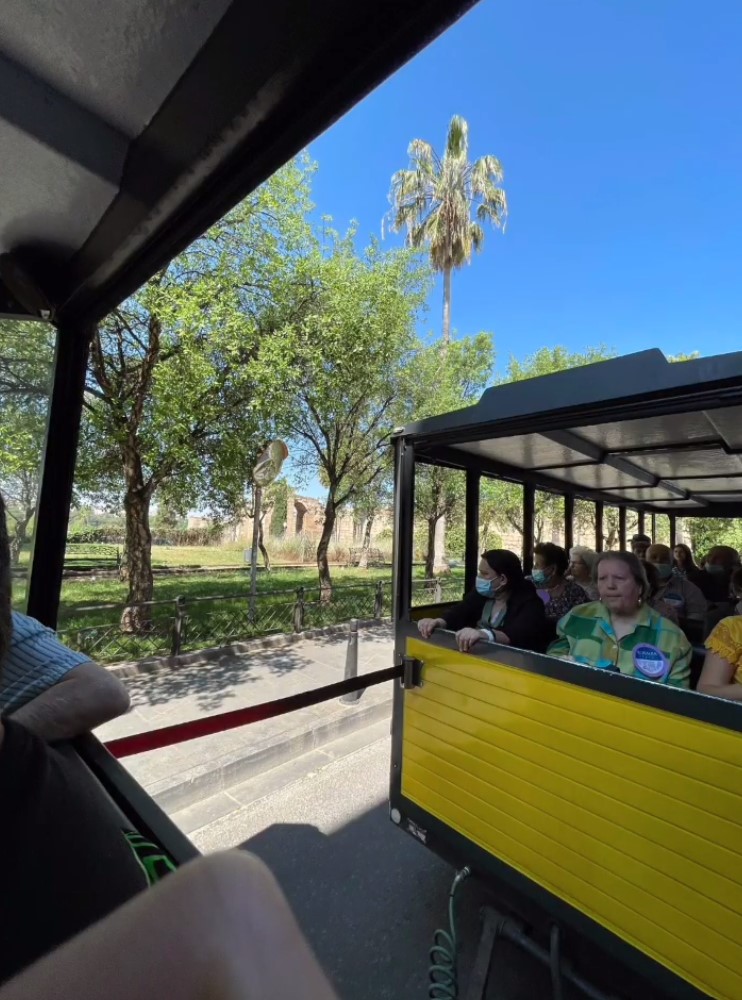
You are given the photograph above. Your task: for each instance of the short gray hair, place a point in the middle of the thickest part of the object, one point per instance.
(588, 556)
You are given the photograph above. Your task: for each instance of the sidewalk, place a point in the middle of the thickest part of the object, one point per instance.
(182, 775)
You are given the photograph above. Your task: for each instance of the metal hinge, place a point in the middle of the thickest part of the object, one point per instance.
(412, 675)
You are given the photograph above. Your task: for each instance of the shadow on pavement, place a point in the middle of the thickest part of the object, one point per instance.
(212, 683)
(370, 898)
(216, 682)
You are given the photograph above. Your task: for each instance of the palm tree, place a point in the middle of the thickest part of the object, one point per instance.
(434, 199)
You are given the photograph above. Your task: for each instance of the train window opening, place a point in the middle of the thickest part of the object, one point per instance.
(26, 371)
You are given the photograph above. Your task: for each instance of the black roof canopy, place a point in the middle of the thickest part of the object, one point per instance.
(635, 431)
(128, 127)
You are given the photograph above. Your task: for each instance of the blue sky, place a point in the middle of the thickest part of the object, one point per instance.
(619, 125)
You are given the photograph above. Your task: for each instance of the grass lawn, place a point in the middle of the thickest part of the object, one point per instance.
(223, 618)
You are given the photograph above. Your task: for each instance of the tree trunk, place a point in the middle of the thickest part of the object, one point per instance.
(20, 536)
(439, 547)
(323, 566)
(430, 549)
(138, 560)
(447, 306)
(366, 544)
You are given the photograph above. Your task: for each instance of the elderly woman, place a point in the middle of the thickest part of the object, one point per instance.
(722, 669)
(560, 595)
(503, 607)
(581, 564)
(620, 632)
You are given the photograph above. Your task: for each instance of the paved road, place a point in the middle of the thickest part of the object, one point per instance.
(368, 896)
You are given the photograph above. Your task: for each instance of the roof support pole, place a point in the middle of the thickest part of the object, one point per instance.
(622, 528)
(673, 519)
(640, 525)
(598, 526)
(58, 470)
(529, 511)
(653, 532)
(404, 526)
(471, 541)
(569, 521)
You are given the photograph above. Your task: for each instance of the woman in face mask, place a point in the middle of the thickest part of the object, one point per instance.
(677, 591)
(503, 607)
(560, 595)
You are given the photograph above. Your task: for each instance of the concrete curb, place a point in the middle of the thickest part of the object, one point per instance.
(198, 783)
(154, 664)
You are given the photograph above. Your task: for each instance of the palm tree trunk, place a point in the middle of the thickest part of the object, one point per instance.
(447, 306)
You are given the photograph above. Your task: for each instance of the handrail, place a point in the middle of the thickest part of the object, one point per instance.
(180, 732)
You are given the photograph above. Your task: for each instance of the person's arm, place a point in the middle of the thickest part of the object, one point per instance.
(219, 927)
(717, 678)
(679, 675)
(560, 646)
(85, 697)
(466, 613)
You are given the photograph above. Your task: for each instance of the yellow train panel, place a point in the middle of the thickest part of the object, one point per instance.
(612, 806)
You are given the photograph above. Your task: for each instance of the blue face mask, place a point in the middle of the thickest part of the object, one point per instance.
(714, 569)
(486, 588)
(664, 572)
(540, 577)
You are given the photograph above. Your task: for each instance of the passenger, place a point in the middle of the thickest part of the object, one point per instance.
(503, 607)
(678, 591)
(685, 564)
(558, 593)
(581, 564)
(737, 590)
(722, 669)
(68, 853)
(620, 632)
(654, 600)
(53, 691)
(639, 545)
(719, 564)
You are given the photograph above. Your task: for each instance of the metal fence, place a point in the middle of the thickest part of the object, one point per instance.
(106, 632)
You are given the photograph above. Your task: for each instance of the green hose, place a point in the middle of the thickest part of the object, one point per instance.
(442, 975)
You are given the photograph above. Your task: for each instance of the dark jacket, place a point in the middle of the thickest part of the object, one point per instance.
(524, 623)
(66, 860)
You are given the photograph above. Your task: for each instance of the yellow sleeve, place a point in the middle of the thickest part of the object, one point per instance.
(726, 640)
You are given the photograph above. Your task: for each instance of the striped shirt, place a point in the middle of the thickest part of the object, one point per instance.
(656, 650)
(35, 662)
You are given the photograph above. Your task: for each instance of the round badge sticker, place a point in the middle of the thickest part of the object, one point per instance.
(651, 662)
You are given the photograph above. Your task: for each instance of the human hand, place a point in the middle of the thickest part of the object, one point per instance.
(467, 637)
(426, 626)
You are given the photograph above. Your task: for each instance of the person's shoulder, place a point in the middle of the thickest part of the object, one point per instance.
(24, 627)
(526, 593)
(576, 590)
(730, 628)
(668, 630)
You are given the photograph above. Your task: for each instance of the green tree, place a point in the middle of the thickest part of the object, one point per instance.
(507, 498)
(338, 367)
(440, 379)
(172, 408)
(26, 364)
(434, 200)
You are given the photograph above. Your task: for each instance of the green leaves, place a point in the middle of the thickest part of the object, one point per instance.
(434, 198)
